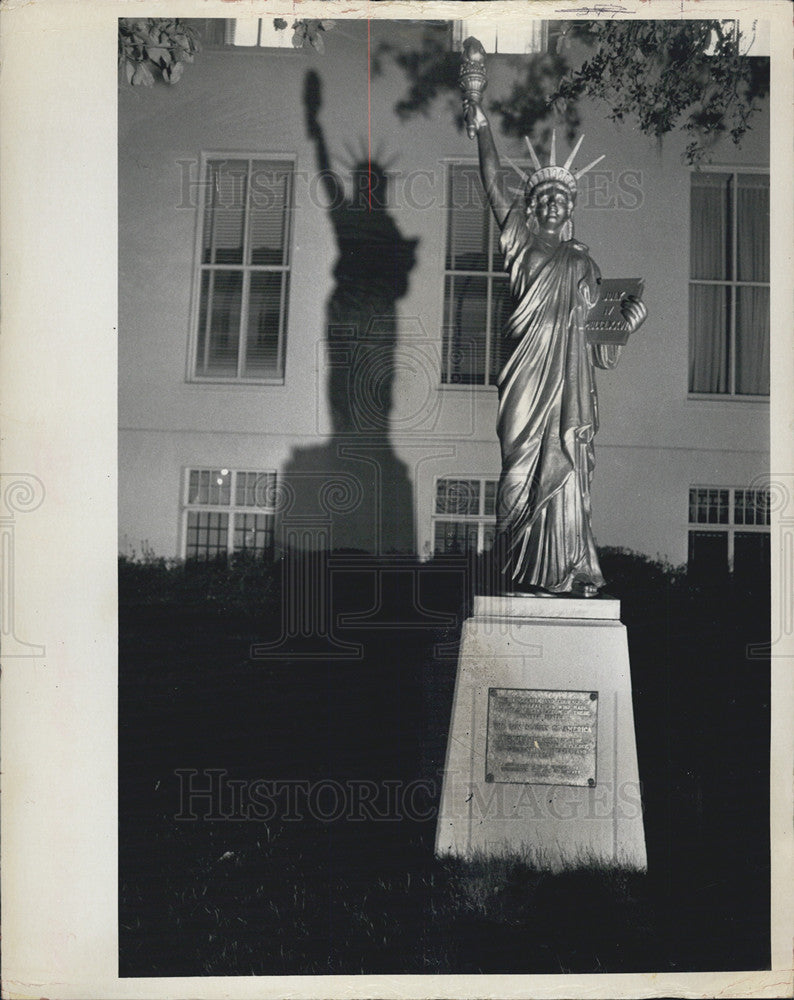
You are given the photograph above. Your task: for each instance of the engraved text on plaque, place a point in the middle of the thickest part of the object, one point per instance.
(541, 737)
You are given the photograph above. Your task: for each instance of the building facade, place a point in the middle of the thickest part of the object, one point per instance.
(308, 348)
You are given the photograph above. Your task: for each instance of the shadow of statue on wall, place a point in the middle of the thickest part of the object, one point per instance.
(353, 488)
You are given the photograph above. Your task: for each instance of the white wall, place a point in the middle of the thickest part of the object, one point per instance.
(654, 441)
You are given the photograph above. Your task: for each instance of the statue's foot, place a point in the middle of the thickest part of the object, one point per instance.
(527, 590)
(584, 588)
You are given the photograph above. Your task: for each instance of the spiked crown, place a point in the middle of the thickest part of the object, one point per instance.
(553, 172)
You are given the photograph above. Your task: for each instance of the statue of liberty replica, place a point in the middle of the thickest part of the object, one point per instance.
(548, 412)
(539, 677)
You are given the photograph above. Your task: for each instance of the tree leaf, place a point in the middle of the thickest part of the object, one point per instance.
(142, 77)
(279, 23)
(158, 54)
(176, 72)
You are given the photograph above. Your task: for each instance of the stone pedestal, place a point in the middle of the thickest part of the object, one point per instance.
(541, 756)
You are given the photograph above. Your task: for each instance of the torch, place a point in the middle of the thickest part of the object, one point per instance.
(473, 78)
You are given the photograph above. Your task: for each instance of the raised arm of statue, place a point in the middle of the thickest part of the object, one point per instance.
(490, 168)
(312, 101)
(473, 81)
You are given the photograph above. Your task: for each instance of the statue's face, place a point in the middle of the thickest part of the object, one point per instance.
(552, 205)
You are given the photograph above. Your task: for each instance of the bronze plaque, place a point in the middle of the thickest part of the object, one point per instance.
(541, 737)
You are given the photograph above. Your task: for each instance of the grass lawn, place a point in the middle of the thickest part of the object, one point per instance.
(315, 852)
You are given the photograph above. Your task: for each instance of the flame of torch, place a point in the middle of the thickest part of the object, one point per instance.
(473, 78)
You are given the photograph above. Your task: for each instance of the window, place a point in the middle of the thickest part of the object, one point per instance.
(729, 532)
(729, 284)
(243, 280)
(501, 36)
(228, 511)
(258, 31)
(476, 288)
(465, 515)
(243, 33)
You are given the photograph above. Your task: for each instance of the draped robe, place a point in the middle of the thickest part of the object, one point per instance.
(548, 415)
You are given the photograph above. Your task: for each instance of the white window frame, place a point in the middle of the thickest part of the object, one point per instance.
(267, 36)
(734, 170)
(275, 43)
(247, 269)
(499, 36)
(731, 527)
(232, 509)
(481, 519)
(448, 164)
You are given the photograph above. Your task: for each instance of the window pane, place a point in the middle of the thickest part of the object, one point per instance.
(465, 322)
(468, 229)
(710, 228)
(501, 309)
(220, 487)
(199, 486)
(709, 506)
(212, 30)
(455, 537)
(719, 510)
(490, 498)
(210, 486)
(708, 554)
(255, 489)
(742, 507)
(245, 31)
(458, 496)
(245, 205)
(763, 505)
(752, 227)
(207, 533)
(253, 533)
(269, 200)
(752, 341)
(693, 505)
(272, 37)
(751, 558)
(221, 296)
(751, 507)
(709, 338)
(224, 213)
(703, 507)
(204, 296)
(264, 323)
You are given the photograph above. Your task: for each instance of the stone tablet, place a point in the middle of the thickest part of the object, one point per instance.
(540, 737)
(605, 321)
